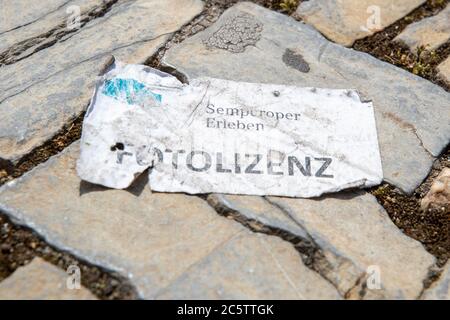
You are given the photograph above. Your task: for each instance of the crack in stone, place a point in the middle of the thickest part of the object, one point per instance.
(283, 271)
(196, 263)
(42, 41)
(406, 125)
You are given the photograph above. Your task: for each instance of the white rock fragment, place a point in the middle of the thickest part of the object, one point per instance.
(227, 137)
(438, 198)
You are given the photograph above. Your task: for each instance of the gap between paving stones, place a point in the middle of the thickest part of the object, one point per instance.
(432, 227)
(422, 63)
(211, 12)
(13, 53)
(310, 253)
(19, 246)
(308, 250)
(320, 259)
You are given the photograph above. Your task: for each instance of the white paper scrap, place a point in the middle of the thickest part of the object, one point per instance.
(222, 136)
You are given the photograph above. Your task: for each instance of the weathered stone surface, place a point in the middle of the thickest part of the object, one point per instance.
(444, 70)
(351, 232)
(28, 12)
(154, 239)
(430, 33)
(438, 198)
(236, 34)
(41, 23)
(39, 280)
(439, 290)
(409, 110)
(42, 92)
(263, 267)
(346, 21)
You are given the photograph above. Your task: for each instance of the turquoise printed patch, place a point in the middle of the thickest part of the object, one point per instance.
(129, 91)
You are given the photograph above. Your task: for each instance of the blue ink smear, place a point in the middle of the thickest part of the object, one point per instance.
(129, 91)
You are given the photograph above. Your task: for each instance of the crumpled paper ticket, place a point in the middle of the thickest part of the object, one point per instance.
(221, 136)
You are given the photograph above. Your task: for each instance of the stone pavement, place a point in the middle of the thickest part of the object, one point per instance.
(218, 246)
